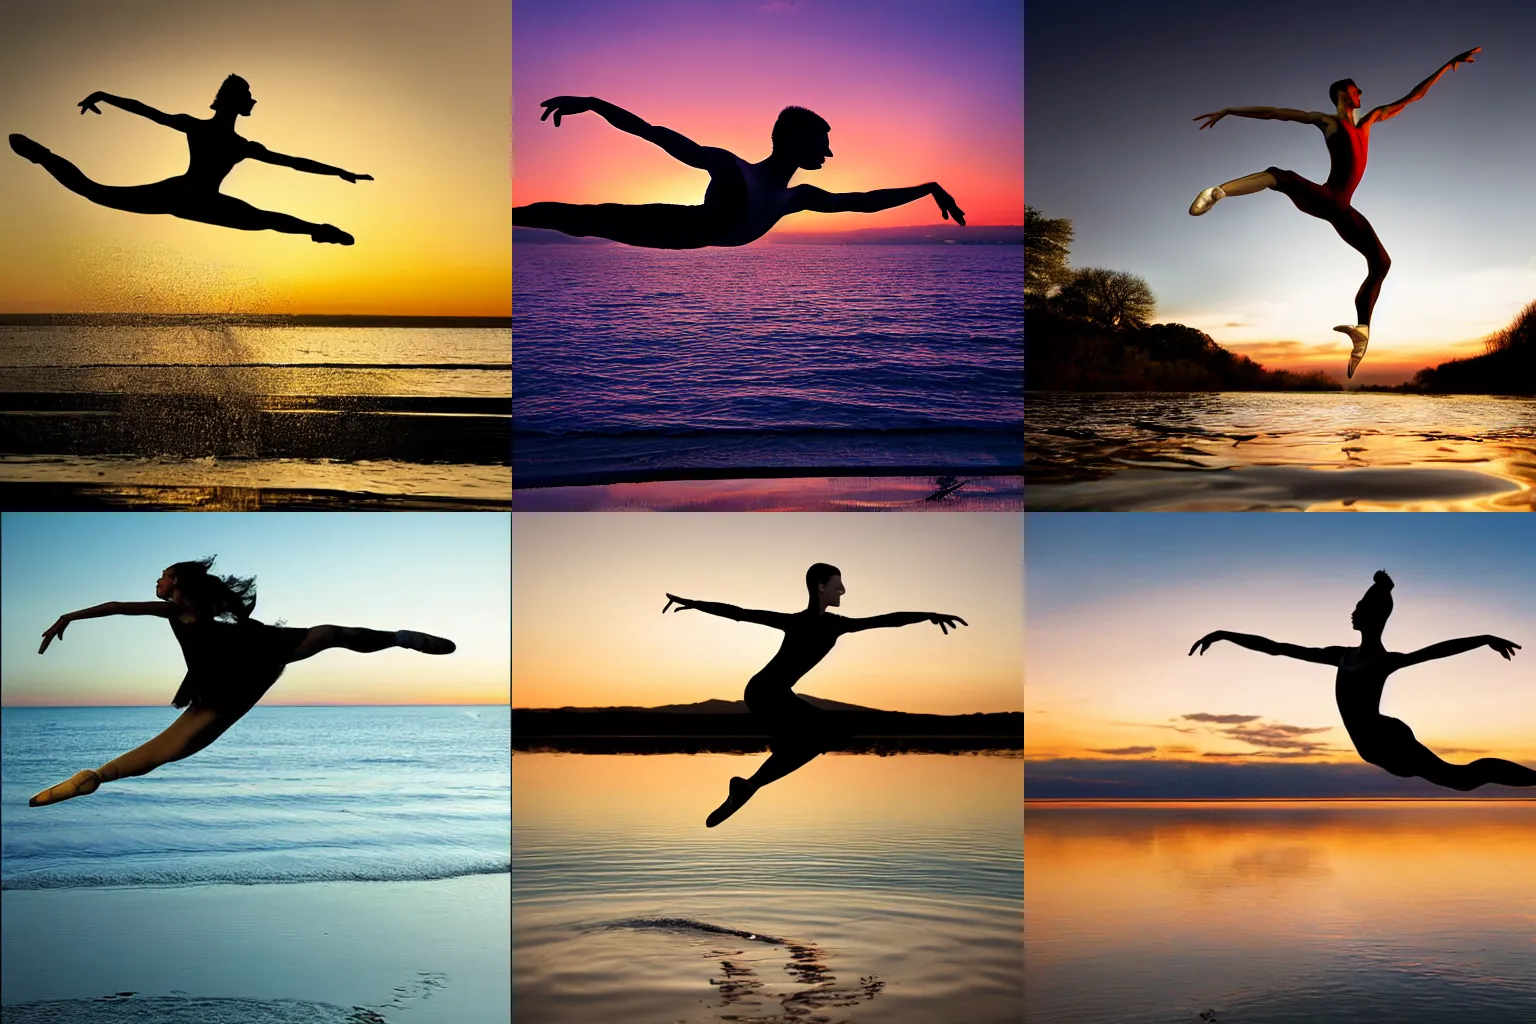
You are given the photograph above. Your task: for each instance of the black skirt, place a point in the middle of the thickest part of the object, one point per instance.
(231, 665)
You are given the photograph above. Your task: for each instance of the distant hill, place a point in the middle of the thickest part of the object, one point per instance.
(714, 706)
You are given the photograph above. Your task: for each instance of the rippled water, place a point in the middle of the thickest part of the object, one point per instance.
(860, 888)
(787, 356)
(1280, 913)
(287, 795)
(1240, 451)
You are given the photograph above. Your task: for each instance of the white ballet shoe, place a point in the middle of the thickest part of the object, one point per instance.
(78, 784)
(1360, 335)
(1205, 200)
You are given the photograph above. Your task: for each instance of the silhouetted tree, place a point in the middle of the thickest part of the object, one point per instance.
(1111, 299)
(1047, 244)
(1506, 367)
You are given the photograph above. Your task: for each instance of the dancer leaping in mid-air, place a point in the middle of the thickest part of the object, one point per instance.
(214, 150)
(743, 200)
(1362, 674)
(230, 665)
(1348, 142)
(798, 730)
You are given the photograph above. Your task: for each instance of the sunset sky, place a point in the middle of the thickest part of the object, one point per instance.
(1115, 601)
(1113, 147)
(914, 91)
(588, 592)
(415, 94)
(442, 573)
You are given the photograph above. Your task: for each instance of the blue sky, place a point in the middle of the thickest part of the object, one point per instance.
(443, 573)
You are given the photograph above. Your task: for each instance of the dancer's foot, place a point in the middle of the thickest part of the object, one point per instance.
(1361, 337)
(78, 784)
(331, 233)
(741, 792)
(1205, 200)
(31, 150)
(426, 643)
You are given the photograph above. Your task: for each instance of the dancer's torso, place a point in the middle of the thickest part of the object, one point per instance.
(1348, 145)
(213, 154)
(807, 639)
(748, 206)
(1357, 689)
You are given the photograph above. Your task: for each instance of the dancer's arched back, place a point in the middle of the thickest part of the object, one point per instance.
(214, 148)
(1362, 674)
(798, 730)
(743, 200)
(230, 665)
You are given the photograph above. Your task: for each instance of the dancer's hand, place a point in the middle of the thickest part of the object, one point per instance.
(565, 106)
(55, 630)
(354, 178)
(683, 604)
(1505, 647)
(1463, 58)
(1215, 115)
(947, 205)
(89, 103)
(1205, 642)
(947, 622)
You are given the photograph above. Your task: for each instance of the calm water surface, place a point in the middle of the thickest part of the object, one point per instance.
(1281, 451)
(1398, 912)
(774, 355)
(859, 889)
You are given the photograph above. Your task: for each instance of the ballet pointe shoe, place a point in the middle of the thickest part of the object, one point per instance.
(78, 784)
(741, 792)
(426, 643)
(1205, 200)
(331, 233)
(25, 147)
(1360, 336)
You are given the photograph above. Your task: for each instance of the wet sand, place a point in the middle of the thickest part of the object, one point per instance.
(348, 952)
(785, 490)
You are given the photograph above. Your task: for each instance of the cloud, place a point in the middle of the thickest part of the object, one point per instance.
(1275, 739)
(1124, 751)
(1202, 716)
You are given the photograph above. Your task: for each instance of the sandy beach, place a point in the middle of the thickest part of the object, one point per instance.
(360, 952)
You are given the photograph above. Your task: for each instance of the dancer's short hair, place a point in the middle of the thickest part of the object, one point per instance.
(232, 88)
(213, 596)
(796, 123)
(1377, 602)
(815, 576)
(1338, 87)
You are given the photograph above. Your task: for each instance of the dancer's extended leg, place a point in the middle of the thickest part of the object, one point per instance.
(1246, 185)
(652, 226)
(1482, 772)
(1360, 236)
(229, 212)
(779, 764)
(366, 641)
(66, 173)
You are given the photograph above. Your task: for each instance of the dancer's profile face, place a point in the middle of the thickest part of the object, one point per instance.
(1351, 97)
(165, 585)
(816, 149)
(832, 591)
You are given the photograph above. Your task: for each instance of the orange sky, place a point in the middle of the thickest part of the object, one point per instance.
(414, 94)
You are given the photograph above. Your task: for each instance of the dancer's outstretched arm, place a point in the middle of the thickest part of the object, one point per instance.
(299, 163)
(677, 146)
(1467, 643)
(944, 622)
(164, 609)
(809, 197)
(1265, 114)
(178, 121)
(778, 620)
(1264, 645)
(1419, 91)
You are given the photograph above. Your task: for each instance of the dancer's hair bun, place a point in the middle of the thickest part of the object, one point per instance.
(1382, 578)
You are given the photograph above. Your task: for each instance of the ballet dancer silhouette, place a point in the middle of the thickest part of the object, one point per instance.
(1362, 674)
(798, 730)
(1348, 143)
(214, 150)
(743, 200)
(230, 665)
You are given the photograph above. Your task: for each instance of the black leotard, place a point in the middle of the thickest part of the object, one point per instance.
(231, 664)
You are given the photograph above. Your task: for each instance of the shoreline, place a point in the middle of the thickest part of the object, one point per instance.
(776, 489)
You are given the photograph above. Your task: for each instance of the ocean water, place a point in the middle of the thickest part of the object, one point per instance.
(860, 888)
(289, 794)
(1229, 452)
(207, 403)
(642, 364)
(1321, 912)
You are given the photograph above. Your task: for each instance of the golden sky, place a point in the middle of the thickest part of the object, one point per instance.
(588, 592)
(415, 94)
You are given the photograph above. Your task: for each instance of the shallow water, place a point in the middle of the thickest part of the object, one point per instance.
(1279, 451)
(1327, 912)
(860, 888)
(944, 493)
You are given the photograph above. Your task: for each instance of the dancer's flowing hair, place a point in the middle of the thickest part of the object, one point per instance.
(213, 596)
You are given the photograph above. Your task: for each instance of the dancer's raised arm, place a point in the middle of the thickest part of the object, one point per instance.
(164, 609)
(1264, 645)
(677, 145)
(944, 622)
(1446, 648)
(299, 163)
(1385, 111)
(1264, 114)
(178, 121)
(809, 197)
(778, 620)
